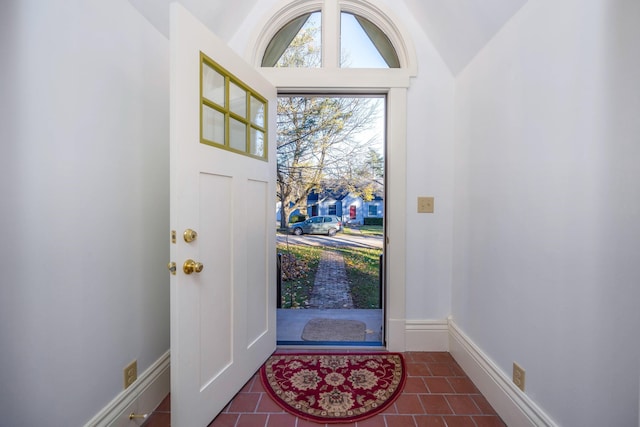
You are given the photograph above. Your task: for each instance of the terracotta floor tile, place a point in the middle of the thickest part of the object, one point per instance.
(158, 419)
(391, 409)
(438, 385)
(435, 404)
(459, 421)
(488, 421)
(420, 357)
(462, 385)
(267, 404)
(247, 387)
(441, 357)
(165, 405)
(225, 420)
(376, 421)
(457, 370)
(252, 420)
(281, 420)
(462, 404)
(305, 423)
(429, 421)
(418, 370)
(257, 386)
(409, 404)
(244, 402)
(441, 370)
(414, 385)
(400, 420)
(483, 404)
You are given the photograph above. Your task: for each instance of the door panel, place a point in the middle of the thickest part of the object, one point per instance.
(216, 353)
(257, 299)
(223, 187)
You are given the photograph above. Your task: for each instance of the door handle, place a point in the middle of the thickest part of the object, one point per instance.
(191, 266)
(189, 235)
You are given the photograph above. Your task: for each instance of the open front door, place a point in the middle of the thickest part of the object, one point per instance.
(223, 188)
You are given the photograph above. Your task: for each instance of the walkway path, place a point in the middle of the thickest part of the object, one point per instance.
(331, 287)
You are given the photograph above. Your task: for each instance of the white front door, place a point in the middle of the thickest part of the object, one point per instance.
(222, 187)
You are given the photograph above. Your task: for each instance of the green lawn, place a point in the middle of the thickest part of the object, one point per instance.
(296, 292)
(362, 267)
(363, 272)
(365, 230)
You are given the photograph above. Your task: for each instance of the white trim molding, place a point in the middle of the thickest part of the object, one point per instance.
(427, 335)
(514, 407)
(142, 397)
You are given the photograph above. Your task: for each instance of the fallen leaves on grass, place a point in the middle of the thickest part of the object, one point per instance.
(292, 267)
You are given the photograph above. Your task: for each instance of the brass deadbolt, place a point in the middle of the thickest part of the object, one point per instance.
(189, 235)
(191, 266)
(172, 268)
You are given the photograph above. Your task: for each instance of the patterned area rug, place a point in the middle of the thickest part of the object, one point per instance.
(334, 387)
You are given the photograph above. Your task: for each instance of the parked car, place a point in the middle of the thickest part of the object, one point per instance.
(324, 224)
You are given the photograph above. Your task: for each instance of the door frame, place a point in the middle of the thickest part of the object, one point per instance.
(353, 82)
(384, 339)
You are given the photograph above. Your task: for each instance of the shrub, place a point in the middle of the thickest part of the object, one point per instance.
(297, 218)
(373, 221)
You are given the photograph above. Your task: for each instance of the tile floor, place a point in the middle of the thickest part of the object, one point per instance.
(437, 393)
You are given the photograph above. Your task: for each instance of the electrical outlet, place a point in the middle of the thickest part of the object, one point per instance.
(425, 204)
(130, 373)
(518, 376)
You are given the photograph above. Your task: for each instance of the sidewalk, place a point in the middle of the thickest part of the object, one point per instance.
(331, 287)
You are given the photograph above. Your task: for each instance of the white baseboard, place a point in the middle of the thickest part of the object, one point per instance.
(395, 331)
(142, 397)
(514, 407)
(427, 335)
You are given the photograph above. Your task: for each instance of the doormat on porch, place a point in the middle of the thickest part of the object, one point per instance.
(334, 387)
(322, 329)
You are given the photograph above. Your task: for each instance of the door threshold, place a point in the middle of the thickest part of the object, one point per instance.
(346, 345)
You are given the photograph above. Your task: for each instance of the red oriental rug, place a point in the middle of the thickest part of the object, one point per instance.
(334, 387)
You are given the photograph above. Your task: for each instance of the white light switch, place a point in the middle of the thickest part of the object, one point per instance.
(425, 204)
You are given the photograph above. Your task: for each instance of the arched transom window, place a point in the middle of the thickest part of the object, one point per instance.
(299, 44)
(333, 34)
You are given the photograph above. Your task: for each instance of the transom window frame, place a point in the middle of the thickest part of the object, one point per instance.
(331, 52)
(331, 79)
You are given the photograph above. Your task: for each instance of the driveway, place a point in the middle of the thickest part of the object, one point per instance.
(340, 240)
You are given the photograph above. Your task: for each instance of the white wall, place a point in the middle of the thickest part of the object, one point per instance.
(547, 201)
(84, 186)
(429, 173)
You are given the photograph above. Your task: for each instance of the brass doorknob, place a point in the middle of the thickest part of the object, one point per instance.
(191, 266)
(189, 235)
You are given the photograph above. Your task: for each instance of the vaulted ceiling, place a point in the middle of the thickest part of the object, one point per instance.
(458, 29)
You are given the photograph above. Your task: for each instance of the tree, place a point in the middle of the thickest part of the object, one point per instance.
(321, 140)
(365, 178)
